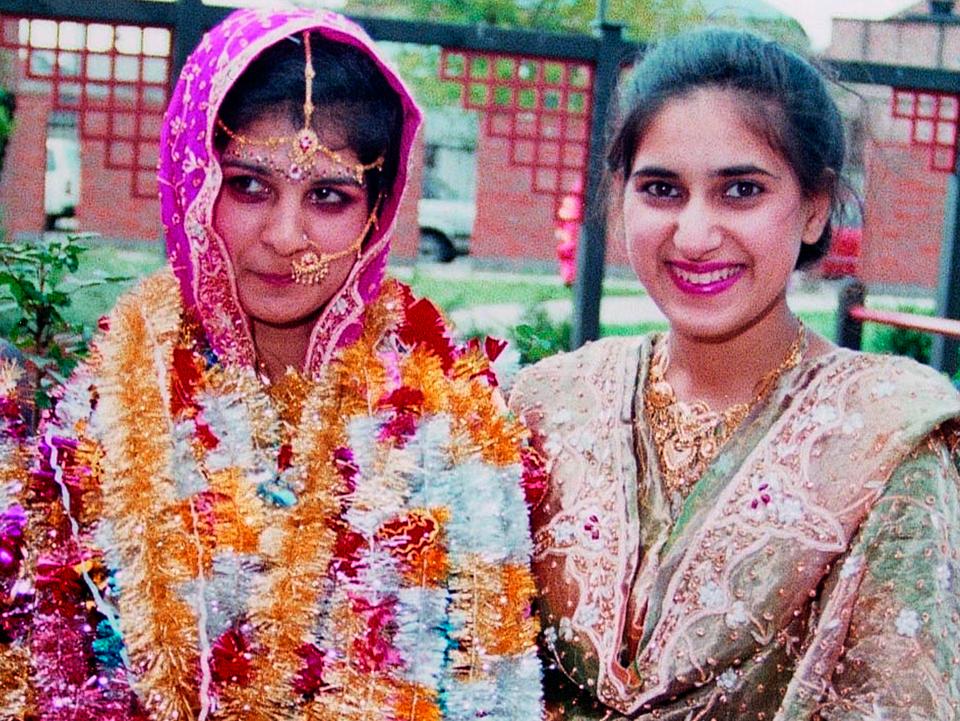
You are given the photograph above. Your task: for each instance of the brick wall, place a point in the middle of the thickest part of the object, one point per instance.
(903, 197)
(107, 205)
(513, 222)
(903, 216)
(21, 183)
(897, 41)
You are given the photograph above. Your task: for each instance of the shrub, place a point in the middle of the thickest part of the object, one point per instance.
(905, 341)
(36, 276)
(538, 335)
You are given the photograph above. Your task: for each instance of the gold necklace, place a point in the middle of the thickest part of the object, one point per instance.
(689, 436)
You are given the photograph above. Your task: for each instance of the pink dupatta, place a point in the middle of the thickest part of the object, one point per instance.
(190, 178)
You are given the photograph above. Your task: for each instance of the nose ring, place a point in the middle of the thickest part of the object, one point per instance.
(309, 268)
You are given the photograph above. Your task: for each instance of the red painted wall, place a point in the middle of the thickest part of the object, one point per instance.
(512, 221)
(107, 205)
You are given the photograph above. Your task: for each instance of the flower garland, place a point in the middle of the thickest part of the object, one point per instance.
(350, 547)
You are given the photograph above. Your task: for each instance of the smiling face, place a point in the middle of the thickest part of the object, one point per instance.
(270, 217)
(714, 216)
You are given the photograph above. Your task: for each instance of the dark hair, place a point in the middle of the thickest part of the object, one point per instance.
(349, 92)
(789, 95)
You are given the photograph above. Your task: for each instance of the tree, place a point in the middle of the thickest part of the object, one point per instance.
(644, 19)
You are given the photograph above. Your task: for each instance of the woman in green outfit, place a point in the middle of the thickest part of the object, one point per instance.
(743, 521)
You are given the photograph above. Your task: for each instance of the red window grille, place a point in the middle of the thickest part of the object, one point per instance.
(540, 106)
(933, 119)
(116, 78)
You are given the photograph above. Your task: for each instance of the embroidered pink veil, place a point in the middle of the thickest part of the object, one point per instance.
(190, 179)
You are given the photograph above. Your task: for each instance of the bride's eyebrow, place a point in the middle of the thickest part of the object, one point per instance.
(655, 171)
(337, 180)
(245, 165)
(269, 172)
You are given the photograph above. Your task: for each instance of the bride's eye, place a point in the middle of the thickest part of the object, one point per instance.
(743, 189)
(660, 189)
(247, 187)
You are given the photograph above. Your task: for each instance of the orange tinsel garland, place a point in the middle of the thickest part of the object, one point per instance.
(283, 608)
(139, 498)
(299, 434)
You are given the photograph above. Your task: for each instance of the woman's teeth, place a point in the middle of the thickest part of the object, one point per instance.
(713, 276)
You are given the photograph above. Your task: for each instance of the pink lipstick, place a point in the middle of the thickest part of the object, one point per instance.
(704, 278)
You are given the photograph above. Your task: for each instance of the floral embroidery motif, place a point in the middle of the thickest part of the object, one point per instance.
(737, 615)
(789, 511)
(564, 531)
(712, 595)
(728, 680)
(763, 489)
(852, 423)
(908, 622)
(882, 389)
(587, 615)
(824, 414)
(592, 530)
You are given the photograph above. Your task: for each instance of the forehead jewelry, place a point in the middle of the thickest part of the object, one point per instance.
(304, 149)
(312, 267)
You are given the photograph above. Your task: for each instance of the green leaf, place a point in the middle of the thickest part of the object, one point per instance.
(42, 399)
(13, 284)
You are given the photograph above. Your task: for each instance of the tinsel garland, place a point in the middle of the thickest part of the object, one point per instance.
(15, 592)
(284, 603)
(59, 650)
(138, 493)
(349, 547)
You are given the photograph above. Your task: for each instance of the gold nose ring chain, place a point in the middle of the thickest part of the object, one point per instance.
(312, 267)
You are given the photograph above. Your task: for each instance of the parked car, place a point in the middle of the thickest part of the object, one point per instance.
(445, 228)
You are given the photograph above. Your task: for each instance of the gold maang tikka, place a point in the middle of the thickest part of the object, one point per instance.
(304, 151)
(312, 267)
(304, 148)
